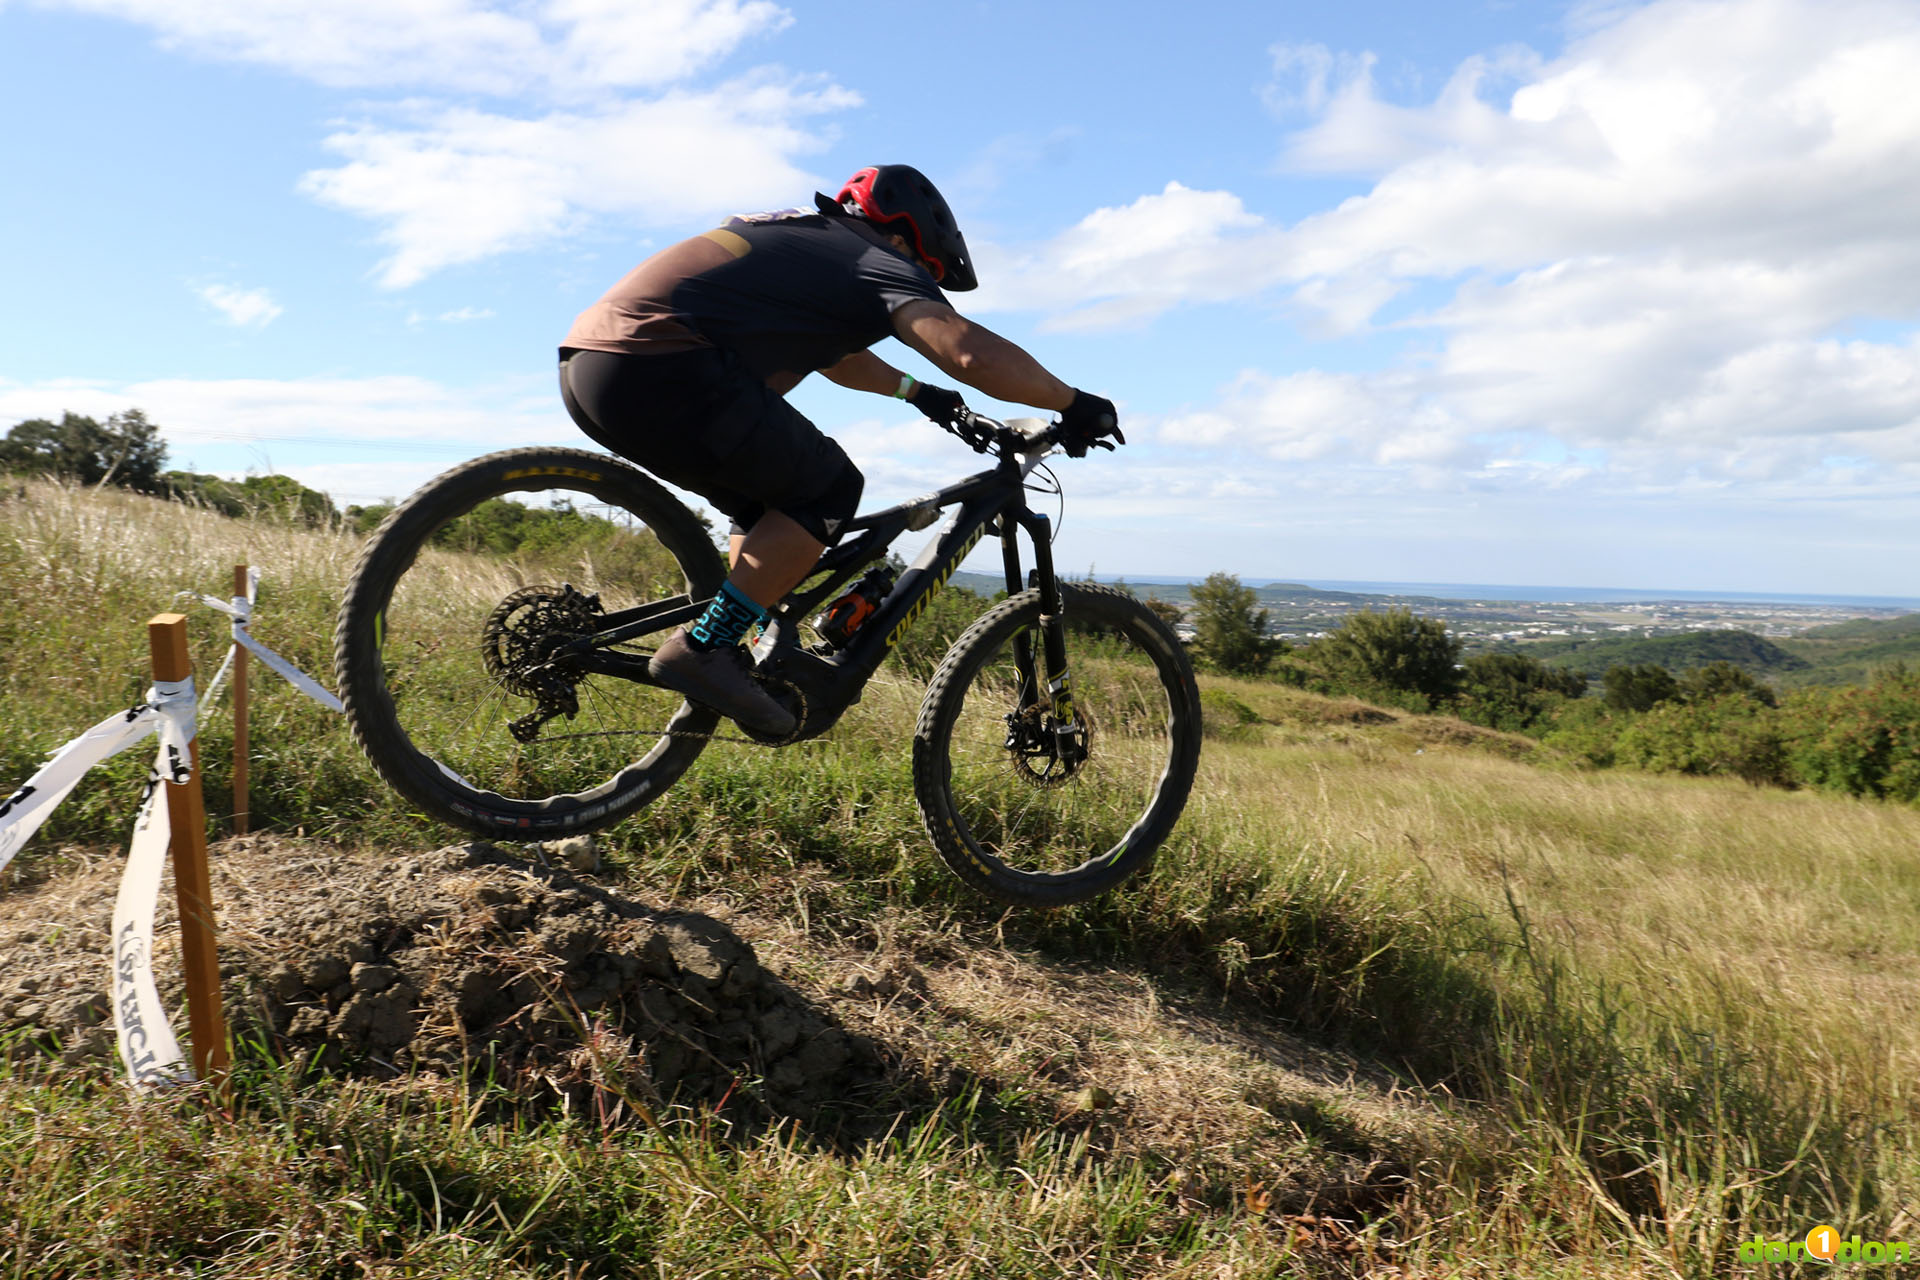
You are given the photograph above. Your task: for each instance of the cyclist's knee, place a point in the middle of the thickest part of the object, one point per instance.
(826, 513)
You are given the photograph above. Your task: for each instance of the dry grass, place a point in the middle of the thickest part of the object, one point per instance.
(1688, 891)
(1705, 991)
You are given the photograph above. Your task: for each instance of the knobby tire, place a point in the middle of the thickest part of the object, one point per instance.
(411, 649)
(1022, 828)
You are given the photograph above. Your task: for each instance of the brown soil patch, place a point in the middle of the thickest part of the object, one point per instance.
(463, 958)
(1446, 731)
(571, 990)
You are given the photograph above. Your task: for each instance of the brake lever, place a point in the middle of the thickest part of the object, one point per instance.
(968, 428)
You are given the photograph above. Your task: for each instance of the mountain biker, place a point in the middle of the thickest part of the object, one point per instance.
(683, 367)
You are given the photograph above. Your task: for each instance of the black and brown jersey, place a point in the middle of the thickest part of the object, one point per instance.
(790, 292)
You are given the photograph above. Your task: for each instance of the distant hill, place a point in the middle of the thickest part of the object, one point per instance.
(1849, 652)
(1756, 655)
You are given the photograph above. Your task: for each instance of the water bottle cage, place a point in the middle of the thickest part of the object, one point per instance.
(844, 617)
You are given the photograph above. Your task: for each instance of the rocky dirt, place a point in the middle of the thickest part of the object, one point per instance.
(464, 959)
(521, 966)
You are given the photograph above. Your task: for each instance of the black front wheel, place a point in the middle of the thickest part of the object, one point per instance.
(1038, 800)
(452, 643)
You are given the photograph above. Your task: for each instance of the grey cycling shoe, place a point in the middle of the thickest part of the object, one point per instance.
(722, 679)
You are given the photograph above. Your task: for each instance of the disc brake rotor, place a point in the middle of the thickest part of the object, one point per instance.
(1041, 753)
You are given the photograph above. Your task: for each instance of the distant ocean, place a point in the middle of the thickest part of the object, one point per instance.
(1570, 595)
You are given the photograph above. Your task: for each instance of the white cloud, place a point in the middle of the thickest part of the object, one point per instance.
(618, 42)
(604, 121)
(465, 314)
(554, 48)
(457, 185)
(1307, 75)
(1128, 264)
(244, 307)
(1643, 248)
(1777, 133)
(395, 430)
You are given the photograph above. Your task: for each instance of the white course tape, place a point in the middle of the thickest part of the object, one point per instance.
(240, 609)
(147, 1044)
(22, 812)
(292, 674)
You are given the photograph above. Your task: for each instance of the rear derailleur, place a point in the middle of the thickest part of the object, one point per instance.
(523, 635)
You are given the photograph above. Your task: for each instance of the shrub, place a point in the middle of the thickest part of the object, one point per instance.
(1640, 686)
(1723, 679)
(1732, 734)
(1514, 692)
(1585, 729)
(1393, 651)
(1863, 740)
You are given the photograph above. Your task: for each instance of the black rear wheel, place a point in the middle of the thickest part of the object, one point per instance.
(1040, 809)
(450, 648)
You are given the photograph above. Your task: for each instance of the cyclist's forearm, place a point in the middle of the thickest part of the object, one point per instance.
(865, 371)
(1006, 372)
(979, 357)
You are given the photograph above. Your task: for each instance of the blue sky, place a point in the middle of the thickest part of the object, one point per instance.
(1601, 294)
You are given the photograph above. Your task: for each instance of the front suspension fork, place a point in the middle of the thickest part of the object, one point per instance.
(1053, 630)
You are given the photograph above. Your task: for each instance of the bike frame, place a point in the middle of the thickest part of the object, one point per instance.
(991, 501)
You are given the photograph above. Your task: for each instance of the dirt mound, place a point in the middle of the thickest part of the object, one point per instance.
(466, 959)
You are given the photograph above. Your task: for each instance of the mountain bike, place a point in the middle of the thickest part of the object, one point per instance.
(492, 657)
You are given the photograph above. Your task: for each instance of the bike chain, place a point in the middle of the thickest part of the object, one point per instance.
(713, 736)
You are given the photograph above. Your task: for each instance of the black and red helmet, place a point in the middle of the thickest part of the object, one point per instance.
(898, 199)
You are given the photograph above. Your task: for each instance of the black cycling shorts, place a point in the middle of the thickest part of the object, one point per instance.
(699, 420)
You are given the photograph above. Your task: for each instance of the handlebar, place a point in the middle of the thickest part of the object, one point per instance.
(990, 435)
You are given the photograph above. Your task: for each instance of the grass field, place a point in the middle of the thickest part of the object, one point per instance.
(1400, 997)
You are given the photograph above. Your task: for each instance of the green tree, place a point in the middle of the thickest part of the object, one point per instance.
(1165, 610)
(364, 520)
(1393, 650)
(1724, 680)
(273, 497)
(1640, 686)
(126, 450)
(1514, 691)
(1864, 739)
(1231, 631)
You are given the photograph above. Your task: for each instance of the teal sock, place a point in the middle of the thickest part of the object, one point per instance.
(726, 620)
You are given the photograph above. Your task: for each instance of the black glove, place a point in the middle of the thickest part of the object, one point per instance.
(1088, 419)
(937, 403)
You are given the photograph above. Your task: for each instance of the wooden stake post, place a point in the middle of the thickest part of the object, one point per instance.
(187, 816)
(240, 804)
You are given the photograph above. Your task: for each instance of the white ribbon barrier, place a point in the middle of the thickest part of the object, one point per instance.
(240, 609)
(147, 1043)
(22, 813)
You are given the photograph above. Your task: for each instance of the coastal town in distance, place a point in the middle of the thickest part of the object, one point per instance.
(1300, 612)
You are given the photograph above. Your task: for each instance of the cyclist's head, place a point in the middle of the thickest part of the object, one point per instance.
(898, 200)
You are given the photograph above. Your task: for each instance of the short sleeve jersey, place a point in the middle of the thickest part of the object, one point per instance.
(790, 292)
